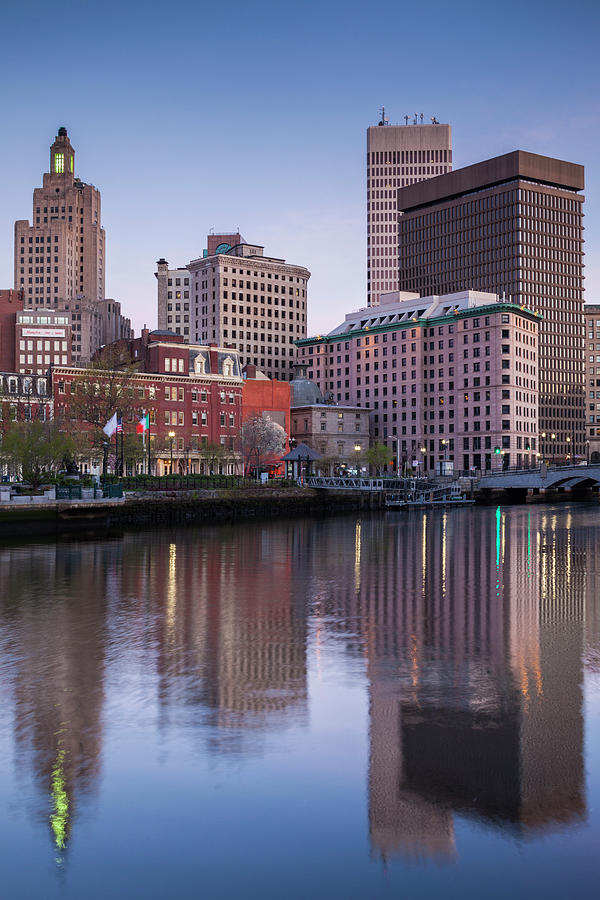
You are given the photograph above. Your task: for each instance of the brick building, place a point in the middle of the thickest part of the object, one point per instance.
(24, 398)
(193, 395)
(451, 378)
(268, 397)
(11, 302)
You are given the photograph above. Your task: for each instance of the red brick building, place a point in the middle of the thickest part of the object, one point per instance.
(11, 302)
(268, 397)
(193, 396)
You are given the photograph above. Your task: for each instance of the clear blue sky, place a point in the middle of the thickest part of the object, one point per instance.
(193, 116)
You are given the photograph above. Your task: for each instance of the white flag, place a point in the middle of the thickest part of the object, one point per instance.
(111, 426)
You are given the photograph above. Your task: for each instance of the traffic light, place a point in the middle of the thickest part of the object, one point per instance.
(496, 450)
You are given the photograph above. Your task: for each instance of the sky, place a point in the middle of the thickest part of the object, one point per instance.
(192, 116)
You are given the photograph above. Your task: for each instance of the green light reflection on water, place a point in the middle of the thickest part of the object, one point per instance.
(60, 817)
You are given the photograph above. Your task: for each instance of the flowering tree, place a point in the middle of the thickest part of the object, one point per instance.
(260, 437)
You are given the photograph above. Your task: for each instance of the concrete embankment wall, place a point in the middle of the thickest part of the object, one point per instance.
(177, 508)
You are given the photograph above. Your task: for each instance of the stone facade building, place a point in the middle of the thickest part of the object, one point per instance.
(397, 155)
(451, 378)
(592, 380)
(241, 298)
(512, 225)
(173, 299)
(340, 434)
(42, 339)
(60, 258)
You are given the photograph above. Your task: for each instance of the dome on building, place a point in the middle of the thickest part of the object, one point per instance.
(304, 391)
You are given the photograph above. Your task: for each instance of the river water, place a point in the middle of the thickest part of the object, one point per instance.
(394, 706)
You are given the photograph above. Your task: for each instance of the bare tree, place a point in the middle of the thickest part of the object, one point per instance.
(106, 386)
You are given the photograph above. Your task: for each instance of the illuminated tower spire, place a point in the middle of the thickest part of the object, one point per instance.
(62, 155)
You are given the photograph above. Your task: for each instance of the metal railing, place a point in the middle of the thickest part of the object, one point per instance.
(350, 483)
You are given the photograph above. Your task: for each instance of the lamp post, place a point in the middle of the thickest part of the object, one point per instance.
(587, 451)
(357, 449)
(423, 451)
(171, 438)
(568, 440)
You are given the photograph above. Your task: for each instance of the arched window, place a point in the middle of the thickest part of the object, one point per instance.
(228, 367)
(12, 385)
(41, 387)
(200, 365)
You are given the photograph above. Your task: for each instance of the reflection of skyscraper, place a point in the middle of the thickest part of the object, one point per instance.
(472, 625)
(58, 686)
(242, 654)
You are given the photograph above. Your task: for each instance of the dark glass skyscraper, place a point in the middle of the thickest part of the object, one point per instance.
(511, 225)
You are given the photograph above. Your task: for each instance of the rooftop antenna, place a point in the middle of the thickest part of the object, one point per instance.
(384, 121)
(406, 118)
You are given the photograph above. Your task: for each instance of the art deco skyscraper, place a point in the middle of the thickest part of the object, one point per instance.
(60, 256)
(397, 155)
(512, 225)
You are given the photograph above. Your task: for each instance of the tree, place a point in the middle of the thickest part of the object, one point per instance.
(36, 450)
(105, 387)
(260, 436)
(215, 455)
(378, 456)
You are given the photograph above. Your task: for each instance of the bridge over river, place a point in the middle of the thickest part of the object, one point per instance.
(544, 479)
(519, 484)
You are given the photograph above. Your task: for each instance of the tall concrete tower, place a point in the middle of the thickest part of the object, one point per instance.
(397, 155)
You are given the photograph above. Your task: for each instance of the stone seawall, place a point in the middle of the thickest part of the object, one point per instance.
(177, 508)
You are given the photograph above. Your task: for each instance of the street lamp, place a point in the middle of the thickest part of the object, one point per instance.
(568, 440)
(171, 438)
(357, 449)
(423, 451)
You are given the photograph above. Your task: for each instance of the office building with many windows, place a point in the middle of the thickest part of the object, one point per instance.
(447, 378)
(397, 155)
(512, 225)
(240, 298)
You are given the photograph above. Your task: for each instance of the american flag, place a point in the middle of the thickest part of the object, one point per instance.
(119, 426)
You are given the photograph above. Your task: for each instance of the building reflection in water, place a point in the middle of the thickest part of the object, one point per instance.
(55, 600)
(213, 621)
(472, 626)
(232, 639)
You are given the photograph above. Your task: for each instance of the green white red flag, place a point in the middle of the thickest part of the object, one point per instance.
(143, 425)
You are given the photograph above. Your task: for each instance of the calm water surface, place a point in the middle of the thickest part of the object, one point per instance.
(404, 706)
